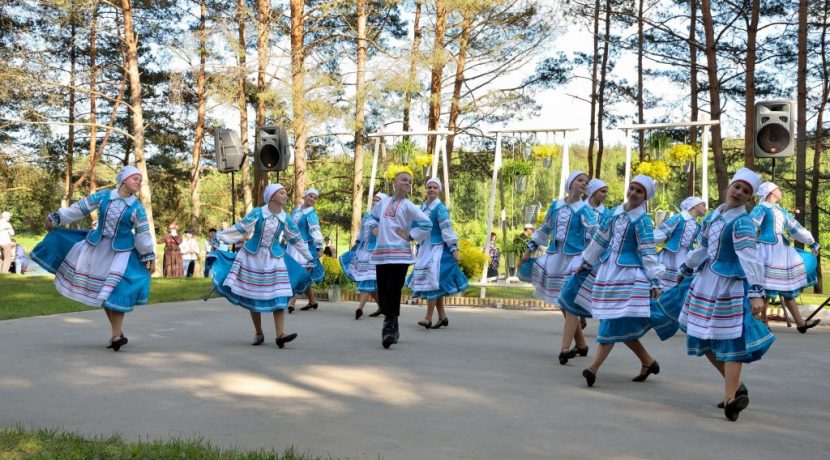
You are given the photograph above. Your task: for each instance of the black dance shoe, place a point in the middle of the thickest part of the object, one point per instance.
(290, 309)
(742, 390)
(564, 356)
(118, 342)
(810, 325)
(311, 306)
(576, 351)
(388, 340)
(441, 323)
(358, 313)
(376, 313)
(259, 339)
(653, 368)
(281, 341)
(425, 324)
(590, 377)
(734, 407)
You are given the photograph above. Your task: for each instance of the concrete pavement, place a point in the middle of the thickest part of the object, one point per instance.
(488, 386)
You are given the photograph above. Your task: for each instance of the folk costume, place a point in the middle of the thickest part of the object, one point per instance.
(716, 313)
(261, 277)
(679, 233)
(623, 269)
(102, 267)
(564, 234)
(393, 255)
(172, 263)
(784, 268)
(436, 273)
(356, 262)
(308, 223)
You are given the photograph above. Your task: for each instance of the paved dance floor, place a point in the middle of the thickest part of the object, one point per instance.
(488, 386)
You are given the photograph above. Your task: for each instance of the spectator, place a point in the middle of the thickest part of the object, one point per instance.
(172, 253)
(328, 249)
(21, 262)
(493, 268)
(6, 243)
(209, 247)
(190, 253)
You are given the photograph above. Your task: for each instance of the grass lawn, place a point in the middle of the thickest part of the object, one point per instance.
(19, 443)
(36, 295)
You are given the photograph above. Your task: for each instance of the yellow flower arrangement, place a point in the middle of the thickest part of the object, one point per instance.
(681, 153)
(422, 161)
(394, 169)
(545, 150)
(657, 169)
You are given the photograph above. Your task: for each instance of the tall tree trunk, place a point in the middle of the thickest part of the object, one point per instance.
(714, 99)
(693, 89)
(70, 141)
(801, 117)
(413, 66)
(594, 67)
(93, 77)
(437, 72)
(298, 95)
(131, 42)
(195, 199)
(359, 119)
(601, 92)
(242, 104)
(824, 71)
(749, 77)
(640, 108)
(262, 33)
(452, 125)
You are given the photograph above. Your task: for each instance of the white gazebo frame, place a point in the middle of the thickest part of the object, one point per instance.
(704, 144)
(440, 150)
(563, 176)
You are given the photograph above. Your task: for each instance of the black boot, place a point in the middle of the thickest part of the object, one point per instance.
(390, 331)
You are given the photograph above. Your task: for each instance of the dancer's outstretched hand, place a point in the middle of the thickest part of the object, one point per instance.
(525, 257)
(656, 293)
(49, 226)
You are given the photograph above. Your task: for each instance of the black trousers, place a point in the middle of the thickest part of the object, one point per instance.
(390, 284)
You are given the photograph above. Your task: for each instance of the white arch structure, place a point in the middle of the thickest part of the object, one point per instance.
(563, 176)
(439, 151)
(704, 141)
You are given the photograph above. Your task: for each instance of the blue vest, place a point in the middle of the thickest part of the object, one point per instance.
(123, 239)
(726, 262)
(629, 249)
(303, 225)
(673, 243)
(574, 242)
(766, 232)
(252, 245)
(438, 213)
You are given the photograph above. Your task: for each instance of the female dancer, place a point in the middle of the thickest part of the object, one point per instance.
(679, 232)
(595, 195)
(355, 263)
(103, 267)
(626, 278)
(172, 266)
(262, 277)
(718, 312)
(395, 221)
(784, 272)
(436, 273)
(566, 225)
(305, 217)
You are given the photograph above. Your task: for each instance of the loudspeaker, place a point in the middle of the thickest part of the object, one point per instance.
(272, 149)
(229, 154)
(774, 129)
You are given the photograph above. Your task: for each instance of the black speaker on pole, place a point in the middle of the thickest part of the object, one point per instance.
(774, 129)
(272, 151)
(229, 153)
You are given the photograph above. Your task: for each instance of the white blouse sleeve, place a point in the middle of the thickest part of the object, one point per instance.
(797, 231)
(144, 242)
(744, 238)
(600, 242)
(292, 236)
(421, 225)
(239, 230)
(78, 210)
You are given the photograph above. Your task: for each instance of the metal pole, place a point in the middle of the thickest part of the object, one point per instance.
(491, 212)
(233, 207)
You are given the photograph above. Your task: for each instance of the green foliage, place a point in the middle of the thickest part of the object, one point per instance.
(29, 193)
(472, 260)
(517, 167)
(19, 442)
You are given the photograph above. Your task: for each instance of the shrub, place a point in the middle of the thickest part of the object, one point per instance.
(472, 260)
(334, 273)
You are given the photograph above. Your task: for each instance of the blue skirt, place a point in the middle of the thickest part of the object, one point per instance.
(525, 272)
(810, 266)
(360, 286)
(298, 276)
(133, 288)
(451, 279)
(753, 343)
(663, 318)
(317, 272)
(567, 297)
